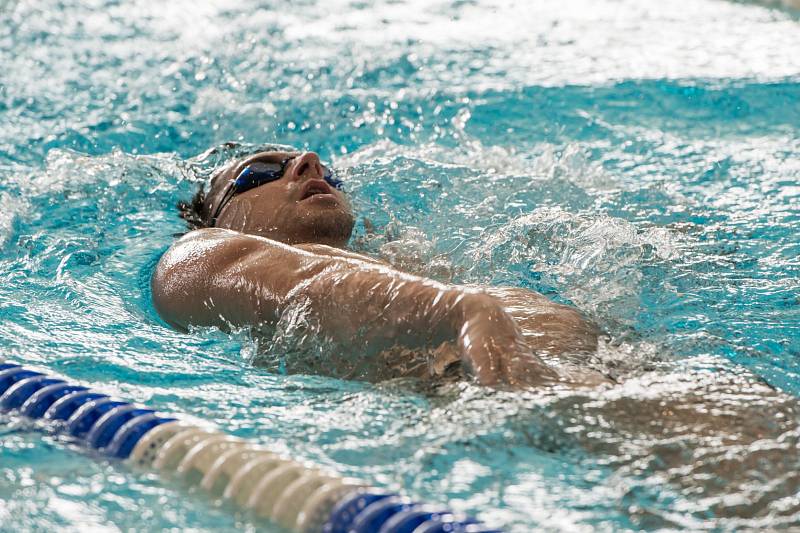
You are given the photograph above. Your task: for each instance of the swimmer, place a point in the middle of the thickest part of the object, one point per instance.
(271, 235)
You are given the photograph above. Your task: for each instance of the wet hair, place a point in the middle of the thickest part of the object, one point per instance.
(197, 211)
(192, 211)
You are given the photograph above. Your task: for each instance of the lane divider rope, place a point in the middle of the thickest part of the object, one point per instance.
(299, 496)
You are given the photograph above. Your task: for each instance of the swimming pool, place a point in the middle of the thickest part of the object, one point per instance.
(636, 159)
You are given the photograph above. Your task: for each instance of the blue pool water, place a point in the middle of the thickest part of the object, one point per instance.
(639, 160)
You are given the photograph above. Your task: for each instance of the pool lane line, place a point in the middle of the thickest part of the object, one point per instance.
(297, 495)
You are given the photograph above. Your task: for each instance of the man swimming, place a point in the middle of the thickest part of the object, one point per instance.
(269, 237)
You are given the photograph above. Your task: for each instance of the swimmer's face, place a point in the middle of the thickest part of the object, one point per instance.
(300, 207)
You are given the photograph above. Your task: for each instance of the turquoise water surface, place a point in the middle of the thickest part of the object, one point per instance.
(638, 160)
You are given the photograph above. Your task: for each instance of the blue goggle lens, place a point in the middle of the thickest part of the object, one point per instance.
(259, 173)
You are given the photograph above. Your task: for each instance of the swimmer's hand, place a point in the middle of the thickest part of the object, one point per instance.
(492, 347)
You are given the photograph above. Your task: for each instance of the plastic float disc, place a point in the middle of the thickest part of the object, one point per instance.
(132, 432)
(14, 374)
(103, 431)
(291, 499)
(227, 464)
(408, 520)
(376, 514)
(345, 512)
(269, 488)
(173, 451)
(447, 524)
(245, 479)
(144, 453)
(291, 502)
(65, 407)
(317, 508)
(22, 390)
(42, 399)
(199, 459)
(82, 420)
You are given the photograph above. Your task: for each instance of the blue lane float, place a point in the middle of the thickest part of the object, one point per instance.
(40, 401)
(299, 496)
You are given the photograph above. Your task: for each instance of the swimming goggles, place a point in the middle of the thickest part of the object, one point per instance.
(262, 172)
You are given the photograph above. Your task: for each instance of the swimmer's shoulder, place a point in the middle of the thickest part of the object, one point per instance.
(212, 272)
(220, 240)
(218, 237)
(330, 251)
(203, 252)
(218, 247)
(190, 270)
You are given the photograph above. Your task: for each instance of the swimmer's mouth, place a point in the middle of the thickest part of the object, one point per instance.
(314, 187)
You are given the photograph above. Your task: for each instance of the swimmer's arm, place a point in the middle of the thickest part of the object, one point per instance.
(217, 277)
(324, 249)
(220, 278)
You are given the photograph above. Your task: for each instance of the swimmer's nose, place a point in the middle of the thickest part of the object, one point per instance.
(306, 167)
